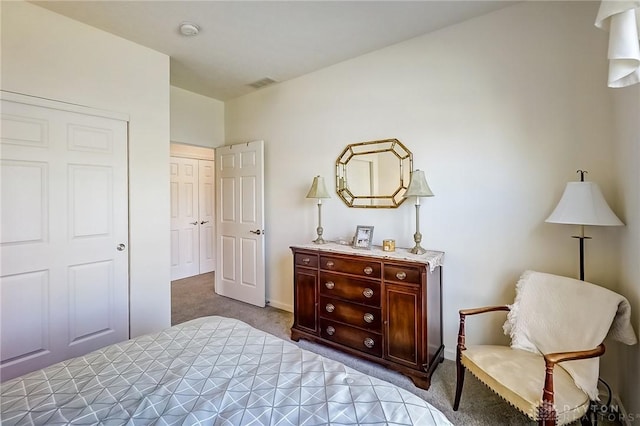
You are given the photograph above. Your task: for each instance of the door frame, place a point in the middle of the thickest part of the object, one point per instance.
(61, 106)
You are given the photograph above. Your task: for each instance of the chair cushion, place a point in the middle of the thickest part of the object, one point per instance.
(518, 377)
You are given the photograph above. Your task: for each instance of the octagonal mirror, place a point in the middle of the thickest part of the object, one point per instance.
(374, 174)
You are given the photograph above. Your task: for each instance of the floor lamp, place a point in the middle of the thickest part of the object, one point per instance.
(319, 191)
(418, 187)
(582, 203)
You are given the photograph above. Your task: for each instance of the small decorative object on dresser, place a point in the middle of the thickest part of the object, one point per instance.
(389, 245)
(384, 307)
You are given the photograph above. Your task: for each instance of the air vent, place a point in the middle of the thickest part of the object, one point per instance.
(261, 83)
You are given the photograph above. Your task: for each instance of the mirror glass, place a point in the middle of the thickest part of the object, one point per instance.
(374, 174)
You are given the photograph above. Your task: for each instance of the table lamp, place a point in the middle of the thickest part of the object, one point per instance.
(319, 191)
(418, 187)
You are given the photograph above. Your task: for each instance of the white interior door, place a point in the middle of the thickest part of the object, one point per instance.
(185, 225)
(240, 270)
(63, 248)
(206, 178)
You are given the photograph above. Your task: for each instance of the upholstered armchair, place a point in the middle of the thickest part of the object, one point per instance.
(557, 327)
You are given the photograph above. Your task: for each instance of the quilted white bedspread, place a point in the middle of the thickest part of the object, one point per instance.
(209, 371)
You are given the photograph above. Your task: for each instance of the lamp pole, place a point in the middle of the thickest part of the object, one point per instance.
(417, 237)
(319, 229)
(581, 237)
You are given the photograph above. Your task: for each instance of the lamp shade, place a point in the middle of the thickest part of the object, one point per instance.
(582, 203)
(318, 190)
(418, 186)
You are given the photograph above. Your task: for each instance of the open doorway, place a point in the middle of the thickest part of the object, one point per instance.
(193, 256)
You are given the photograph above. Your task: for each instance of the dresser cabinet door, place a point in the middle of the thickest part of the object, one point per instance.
(402, 324)
(305, 316)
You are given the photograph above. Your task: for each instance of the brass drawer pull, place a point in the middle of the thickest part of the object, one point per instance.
(368, 270)
(329, 285)
(368, 293)
(330, 264)
(368, 318)
(306, 260)
(368, 342)
(330, 307)
(401, 275)
(330, 330)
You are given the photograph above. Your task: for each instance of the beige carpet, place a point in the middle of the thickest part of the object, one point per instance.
(194, 297)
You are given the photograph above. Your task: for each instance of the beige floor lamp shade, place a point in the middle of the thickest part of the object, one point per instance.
(582, 203)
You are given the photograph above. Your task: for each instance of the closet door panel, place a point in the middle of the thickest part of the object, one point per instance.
(185, 223)
(206, 173)
(64, 288)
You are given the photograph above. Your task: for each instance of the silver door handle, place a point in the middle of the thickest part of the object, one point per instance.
(257, 232)
(203, 222)
(194, 223)
(120, 247)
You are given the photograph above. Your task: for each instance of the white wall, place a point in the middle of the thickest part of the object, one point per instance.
(500, 111)
(196, 119)
(626, 108)
(47, 55)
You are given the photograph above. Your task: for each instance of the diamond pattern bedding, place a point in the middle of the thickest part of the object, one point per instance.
(208, 371)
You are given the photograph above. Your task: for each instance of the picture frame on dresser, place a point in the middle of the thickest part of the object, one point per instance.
(363, 237)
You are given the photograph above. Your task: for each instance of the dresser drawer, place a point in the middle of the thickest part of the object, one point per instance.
(402, 274)
(364, 268)
(306, 259)
(360, 316)
(353, 289)
(362, 340)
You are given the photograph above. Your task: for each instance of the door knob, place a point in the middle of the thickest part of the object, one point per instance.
(194, 223)
(203, 222)
(120, 247)
(257, 232)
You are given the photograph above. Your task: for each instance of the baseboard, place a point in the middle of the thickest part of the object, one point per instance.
(279, 305)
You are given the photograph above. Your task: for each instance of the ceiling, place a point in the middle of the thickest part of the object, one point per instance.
(241, 42)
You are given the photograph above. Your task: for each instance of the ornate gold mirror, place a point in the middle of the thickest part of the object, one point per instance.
(374, 174)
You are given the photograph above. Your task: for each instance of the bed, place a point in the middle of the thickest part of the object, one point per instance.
(208, 371)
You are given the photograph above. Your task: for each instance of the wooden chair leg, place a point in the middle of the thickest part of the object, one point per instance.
(547, 414)
(459, 367)
(459, 383)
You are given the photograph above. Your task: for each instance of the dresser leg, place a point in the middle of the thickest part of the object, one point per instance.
(295, 336)
(422, 383)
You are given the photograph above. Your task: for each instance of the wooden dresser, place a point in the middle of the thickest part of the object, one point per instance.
(385, 307)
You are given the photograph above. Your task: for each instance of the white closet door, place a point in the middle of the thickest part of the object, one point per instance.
(185, 237)
(64, 285)
(206, 173)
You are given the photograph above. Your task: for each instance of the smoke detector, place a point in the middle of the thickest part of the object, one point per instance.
(188, 29)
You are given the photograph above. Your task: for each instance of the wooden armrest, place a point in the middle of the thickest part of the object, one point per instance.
(557, 357)
(475, 311)
(546, 410)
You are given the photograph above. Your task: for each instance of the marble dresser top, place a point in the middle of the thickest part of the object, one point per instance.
(431, 257)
